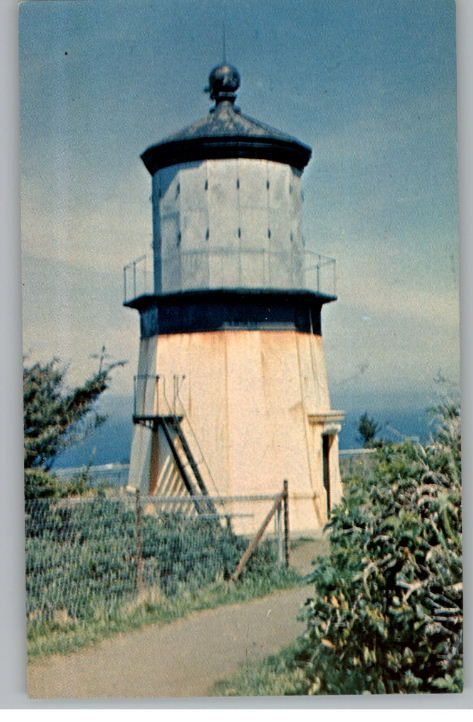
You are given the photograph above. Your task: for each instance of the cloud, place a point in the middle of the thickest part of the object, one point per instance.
(96, 233)
(71, 312)
(392, 343)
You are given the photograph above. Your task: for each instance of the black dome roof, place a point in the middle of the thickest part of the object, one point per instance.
(226, 133)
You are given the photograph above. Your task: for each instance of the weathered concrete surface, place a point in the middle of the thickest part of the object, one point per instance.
(237, 205)
(257, 402)
(182, 659)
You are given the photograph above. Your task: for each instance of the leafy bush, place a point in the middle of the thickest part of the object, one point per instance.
(55, 417)
(387, 612)
(40, 484)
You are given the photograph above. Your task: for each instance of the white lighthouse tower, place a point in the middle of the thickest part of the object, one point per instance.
(231, 395)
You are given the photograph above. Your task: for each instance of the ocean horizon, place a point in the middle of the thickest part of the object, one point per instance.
(111, 442)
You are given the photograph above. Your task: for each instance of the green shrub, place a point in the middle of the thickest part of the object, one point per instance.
(387, 612)
(44, 485)
(81, 556)
(40, 484)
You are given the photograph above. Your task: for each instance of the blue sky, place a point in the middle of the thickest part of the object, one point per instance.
(370, 85)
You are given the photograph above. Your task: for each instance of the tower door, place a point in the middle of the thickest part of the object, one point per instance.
(326, 443)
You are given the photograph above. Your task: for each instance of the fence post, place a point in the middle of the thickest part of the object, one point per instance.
(279, 535)
(257, 538)
(139, 542)
(286, 521)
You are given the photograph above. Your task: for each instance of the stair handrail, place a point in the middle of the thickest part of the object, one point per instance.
(172, 413)
(204, 460)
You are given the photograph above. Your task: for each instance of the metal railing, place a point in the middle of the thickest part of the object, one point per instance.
(152, 399)
(226, 268)
(138, 278)
(145, 395)
(151, 396)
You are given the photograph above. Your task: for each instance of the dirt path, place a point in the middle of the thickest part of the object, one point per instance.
(182, 659)
(305, 553)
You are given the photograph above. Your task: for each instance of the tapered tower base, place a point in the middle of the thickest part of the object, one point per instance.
(255, 410)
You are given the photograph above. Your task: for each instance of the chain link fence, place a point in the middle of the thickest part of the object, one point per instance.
(357, 462)
(88, 557)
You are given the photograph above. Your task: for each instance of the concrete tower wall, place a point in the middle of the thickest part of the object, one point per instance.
(227, 224)
(254, 405)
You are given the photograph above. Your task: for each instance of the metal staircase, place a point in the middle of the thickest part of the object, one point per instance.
(184, 459)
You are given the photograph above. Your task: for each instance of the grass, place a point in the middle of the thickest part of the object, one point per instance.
(278, 675)
(66, 636)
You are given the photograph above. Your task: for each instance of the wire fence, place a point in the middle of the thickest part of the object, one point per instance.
(88, 557)
(355, 462)
(100, 475)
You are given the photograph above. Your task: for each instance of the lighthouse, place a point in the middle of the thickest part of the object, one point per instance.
(231, 393)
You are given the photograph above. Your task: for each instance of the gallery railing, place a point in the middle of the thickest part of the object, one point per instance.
(230, 269)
